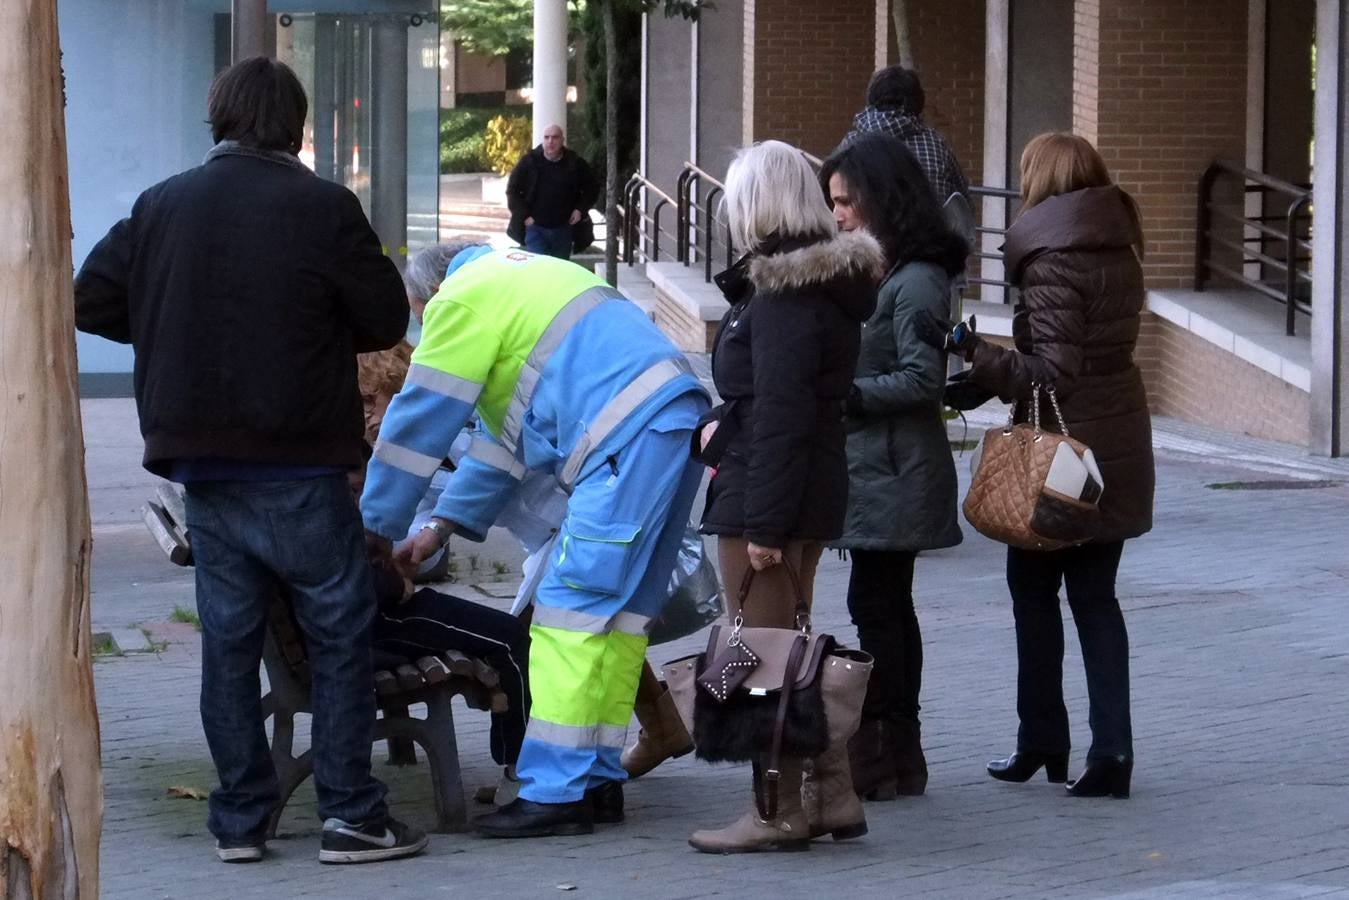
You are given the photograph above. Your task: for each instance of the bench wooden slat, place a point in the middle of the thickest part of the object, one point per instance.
(166, 534)
(485, 673)
(409, 678)
(433, 670)
(172, 501)
(459, 664)
(386, 684)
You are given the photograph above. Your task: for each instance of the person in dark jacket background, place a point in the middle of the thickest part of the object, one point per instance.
(550, 192)
(1075, 252)
(783, 364)
(901, 477)
(247, 286)
(895, 103)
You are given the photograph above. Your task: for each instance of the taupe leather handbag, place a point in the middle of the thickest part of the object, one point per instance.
(1034, 489)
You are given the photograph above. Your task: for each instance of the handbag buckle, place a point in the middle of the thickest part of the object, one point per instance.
(758, 692)
(736, 624)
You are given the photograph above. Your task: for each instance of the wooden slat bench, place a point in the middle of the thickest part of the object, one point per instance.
(399, 685)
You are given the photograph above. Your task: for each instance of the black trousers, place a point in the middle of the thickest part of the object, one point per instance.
(880, 601)
(1088, 572)
(429, 622)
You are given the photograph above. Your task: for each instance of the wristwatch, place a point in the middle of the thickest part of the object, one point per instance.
(440, 530)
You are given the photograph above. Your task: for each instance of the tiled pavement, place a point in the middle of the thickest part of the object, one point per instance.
(1236, 605)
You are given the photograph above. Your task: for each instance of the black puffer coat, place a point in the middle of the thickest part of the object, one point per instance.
(783, 364)
(1075, 327)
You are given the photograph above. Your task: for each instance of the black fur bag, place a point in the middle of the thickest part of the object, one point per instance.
(740, 728)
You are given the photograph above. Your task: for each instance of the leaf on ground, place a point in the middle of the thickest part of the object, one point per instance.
(183, 792)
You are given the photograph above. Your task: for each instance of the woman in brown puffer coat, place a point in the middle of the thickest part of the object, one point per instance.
(1074, 252)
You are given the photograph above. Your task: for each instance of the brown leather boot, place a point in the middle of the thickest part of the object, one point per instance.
(663, 736)
(910, 764)
(751, 832)
(827, 793)
(871, 756)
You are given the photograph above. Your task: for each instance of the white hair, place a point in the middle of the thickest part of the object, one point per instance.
(772, 190)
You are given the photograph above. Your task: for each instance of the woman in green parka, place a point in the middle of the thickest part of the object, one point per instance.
(901, 475)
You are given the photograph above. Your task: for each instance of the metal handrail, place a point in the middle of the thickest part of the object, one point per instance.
(636, 218)
(977, 251)
(689, 209)
(1300, 197)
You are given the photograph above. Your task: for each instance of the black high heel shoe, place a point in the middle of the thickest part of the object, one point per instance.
(1020, 766)
(1108, 777)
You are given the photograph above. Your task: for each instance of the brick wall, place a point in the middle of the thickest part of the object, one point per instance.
(1160, 88)
(807, 64)
(1190, 379)
(948, 53)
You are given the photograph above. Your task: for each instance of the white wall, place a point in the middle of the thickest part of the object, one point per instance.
(136, 78)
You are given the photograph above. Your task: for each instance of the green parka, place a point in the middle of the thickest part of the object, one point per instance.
(901, 476)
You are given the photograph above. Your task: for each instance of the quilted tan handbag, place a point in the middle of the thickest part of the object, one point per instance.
(1034, 489)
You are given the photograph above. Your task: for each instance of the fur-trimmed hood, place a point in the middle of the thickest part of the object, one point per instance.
(847, 253)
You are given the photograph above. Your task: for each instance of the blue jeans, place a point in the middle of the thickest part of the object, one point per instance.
(251, 540)
(549, 241)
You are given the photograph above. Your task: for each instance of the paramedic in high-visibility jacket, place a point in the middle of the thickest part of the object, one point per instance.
(566, 376)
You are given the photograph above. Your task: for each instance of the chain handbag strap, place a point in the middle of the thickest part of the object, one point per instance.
(1035, 411)
(802, 611)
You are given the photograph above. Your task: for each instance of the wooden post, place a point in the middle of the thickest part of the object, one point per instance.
(51, 795)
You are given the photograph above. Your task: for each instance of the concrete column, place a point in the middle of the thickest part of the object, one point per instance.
(324, 101)
(550, 65)
(248, 29)
(997, 104)
(1330, 250)
(388, 134)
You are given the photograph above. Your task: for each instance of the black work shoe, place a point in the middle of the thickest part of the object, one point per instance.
(240, 850)
(606, 802)
(524, 818)
(345, 842)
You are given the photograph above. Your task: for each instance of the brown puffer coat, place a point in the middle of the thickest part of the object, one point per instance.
(1075, 327)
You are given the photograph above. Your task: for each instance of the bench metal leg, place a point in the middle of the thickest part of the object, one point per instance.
(435, 733)
(291, 771)
(401, 749)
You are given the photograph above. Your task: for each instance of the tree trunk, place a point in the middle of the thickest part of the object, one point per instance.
(903, 38)
(51, 796)
(608, 16)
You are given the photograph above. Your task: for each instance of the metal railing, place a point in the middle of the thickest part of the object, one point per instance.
(1295, 265)
(697, 228)
(641, 221)
(992, 253)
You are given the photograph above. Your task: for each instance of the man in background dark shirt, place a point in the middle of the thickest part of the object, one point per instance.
(549, 193)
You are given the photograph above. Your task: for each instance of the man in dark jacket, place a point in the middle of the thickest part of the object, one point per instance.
(549, 193)
(246, 286)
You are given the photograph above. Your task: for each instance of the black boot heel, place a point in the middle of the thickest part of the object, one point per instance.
(1021, 766)
(1107, 777)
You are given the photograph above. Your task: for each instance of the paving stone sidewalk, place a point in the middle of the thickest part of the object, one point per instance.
(1237, 607)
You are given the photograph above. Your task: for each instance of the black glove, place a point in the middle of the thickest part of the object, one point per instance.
(947, 337)
(963, 394)
(852, 407)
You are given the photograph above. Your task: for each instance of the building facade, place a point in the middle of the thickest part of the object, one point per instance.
(1164, 89)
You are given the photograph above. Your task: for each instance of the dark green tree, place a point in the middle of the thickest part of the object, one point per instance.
(494, 27)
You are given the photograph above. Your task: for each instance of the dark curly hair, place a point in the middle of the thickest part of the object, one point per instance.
(896, 201)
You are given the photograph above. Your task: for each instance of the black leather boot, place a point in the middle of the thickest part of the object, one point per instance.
(524, 818)
(910, 763)
(871, 757)
(1105, 777)
(606, 802)
(1020, 766)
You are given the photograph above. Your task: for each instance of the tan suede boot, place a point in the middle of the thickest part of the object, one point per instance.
(663, 736)
(751, 833)
(827, 793)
